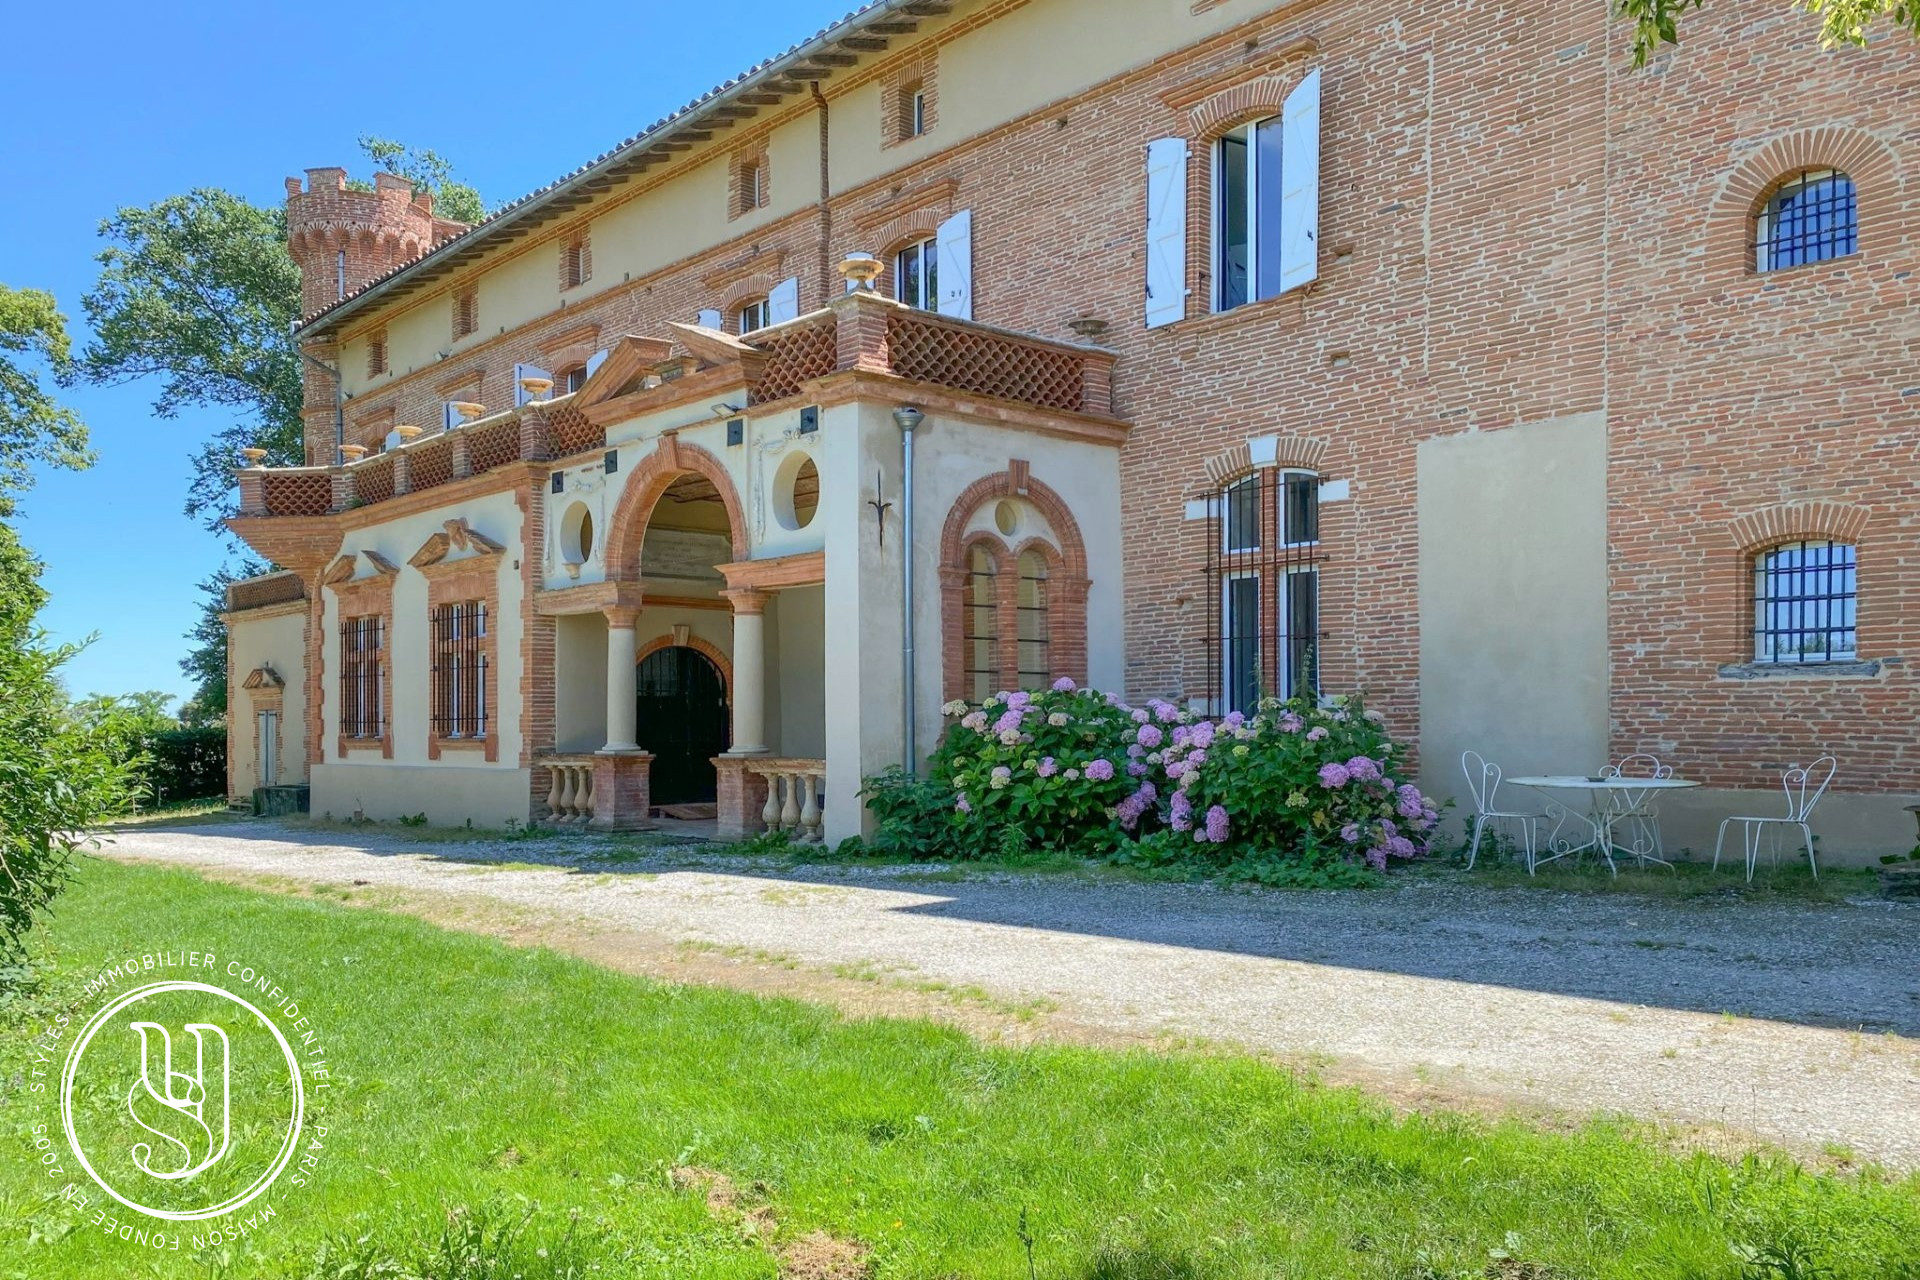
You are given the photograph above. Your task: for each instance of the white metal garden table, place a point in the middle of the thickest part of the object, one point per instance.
(1609, 801)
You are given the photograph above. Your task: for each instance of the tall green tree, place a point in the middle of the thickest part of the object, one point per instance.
(198, 293)
(1842, 22)
(34, 427)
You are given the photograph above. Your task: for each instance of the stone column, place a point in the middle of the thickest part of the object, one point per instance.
(623, 649)
(749, 671)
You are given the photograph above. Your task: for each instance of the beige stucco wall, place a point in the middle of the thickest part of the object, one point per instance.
(1513, 600)
(277, 637)
(451, 795)
(580, 684)
(796, 694)
(496, 516)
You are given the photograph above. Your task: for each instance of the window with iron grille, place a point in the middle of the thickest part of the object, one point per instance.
(1263, 590)
(362, 653)
(1036, 667)
(1805, 601)
(460, 659)
(981, 636)
(1812, 217)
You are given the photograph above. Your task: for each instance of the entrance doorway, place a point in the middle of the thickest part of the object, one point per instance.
(683, 722)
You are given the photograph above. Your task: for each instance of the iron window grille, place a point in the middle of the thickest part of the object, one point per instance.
(1264, 630)
(1814, 216)
(1805, 603)
(361, 658)
(460, 670)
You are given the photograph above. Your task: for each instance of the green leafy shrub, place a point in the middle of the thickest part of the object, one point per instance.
(56, 776)
(1299, 793)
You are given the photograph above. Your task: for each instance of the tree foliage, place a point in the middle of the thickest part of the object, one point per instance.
(34, 428)
(430, 174)
(57, 778)
(1842, 22)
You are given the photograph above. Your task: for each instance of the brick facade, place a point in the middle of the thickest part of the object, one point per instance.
(1515, 227)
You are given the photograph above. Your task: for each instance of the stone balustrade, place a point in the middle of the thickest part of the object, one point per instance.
(570, 789)
(795, 791)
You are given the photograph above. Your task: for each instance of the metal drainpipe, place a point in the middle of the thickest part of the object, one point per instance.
(906, 417)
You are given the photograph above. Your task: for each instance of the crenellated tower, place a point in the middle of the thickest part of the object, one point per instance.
(343, 240)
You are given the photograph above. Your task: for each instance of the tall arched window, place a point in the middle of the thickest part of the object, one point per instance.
(1036, 668)
(1806, 602)
(982, 635)
(1811, 217)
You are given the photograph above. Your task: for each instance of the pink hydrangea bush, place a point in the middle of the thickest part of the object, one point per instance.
(1049, 766)
(1281, 795)
(1295, 779)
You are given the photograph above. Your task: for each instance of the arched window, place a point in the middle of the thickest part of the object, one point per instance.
(1811, 217)
(982, 635)
(916, 274)
(1036, 668)
(1805, 602)
(753, 315)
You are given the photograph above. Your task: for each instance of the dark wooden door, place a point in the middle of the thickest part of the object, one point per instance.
(683, 721)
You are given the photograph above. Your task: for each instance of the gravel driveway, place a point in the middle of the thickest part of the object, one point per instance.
(1793, 1024)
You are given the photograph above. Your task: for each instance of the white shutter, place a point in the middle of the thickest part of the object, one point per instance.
(709, 319)
(520, 371)
(595, 360)
(955, 257)
(1166, 231)
(449, 416)
(783, 304)
(1300, 185)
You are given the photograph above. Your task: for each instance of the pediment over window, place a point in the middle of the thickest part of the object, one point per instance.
(455, 535)
(629, 360)
(263, 677)
(343, 570)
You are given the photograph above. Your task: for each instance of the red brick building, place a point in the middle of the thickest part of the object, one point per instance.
(1567, 410)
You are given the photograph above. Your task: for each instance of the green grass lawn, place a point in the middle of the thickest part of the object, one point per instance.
(502, 1112)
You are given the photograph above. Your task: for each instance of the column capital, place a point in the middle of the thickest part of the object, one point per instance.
(748, 601)
(625, 616)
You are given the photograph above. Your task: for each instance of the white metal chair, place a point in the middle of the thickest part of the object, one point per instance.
(1483, 783)
(1804, 787)
(1638, 810)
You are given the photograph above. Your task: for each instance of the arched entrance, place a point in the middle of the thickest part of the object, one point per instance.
(683, 722)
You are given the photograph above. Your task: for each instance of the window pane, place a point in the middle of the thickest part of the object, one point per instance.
(906, 276)
(982, 635)
(1266, 204)
(1303, 508)
(929, 275)
(1035, 657)
(1231, 227)
(1300, 652)
(1242, 643)
(1243, 515)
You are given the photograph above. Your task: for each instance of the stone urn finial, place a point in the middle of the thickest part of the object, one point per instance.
(861, 270)
(254, 457)
(468, 410)
(536, 388)
(353, 452)
(406, 431)
(1089, 328)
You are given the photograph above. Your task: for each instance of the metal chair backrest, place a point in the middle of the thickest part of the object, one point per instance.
(1483, 780)
(1641, 764)
(1805, 786)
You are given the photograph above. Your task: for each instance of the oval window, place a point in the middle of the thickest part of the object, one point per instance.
(796, 491)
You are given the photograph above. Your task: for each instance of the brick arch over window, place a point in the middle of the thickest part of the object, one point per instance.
(1257, 99)
(747, 289)
(668, 462)
(705, 648)
(896, 236)
(1791, 522)
(1067, 581)
(1290, 453)
(1869, 162)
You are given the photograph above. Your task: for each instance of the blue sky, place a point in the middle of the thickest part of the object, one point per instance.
(240, 96)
